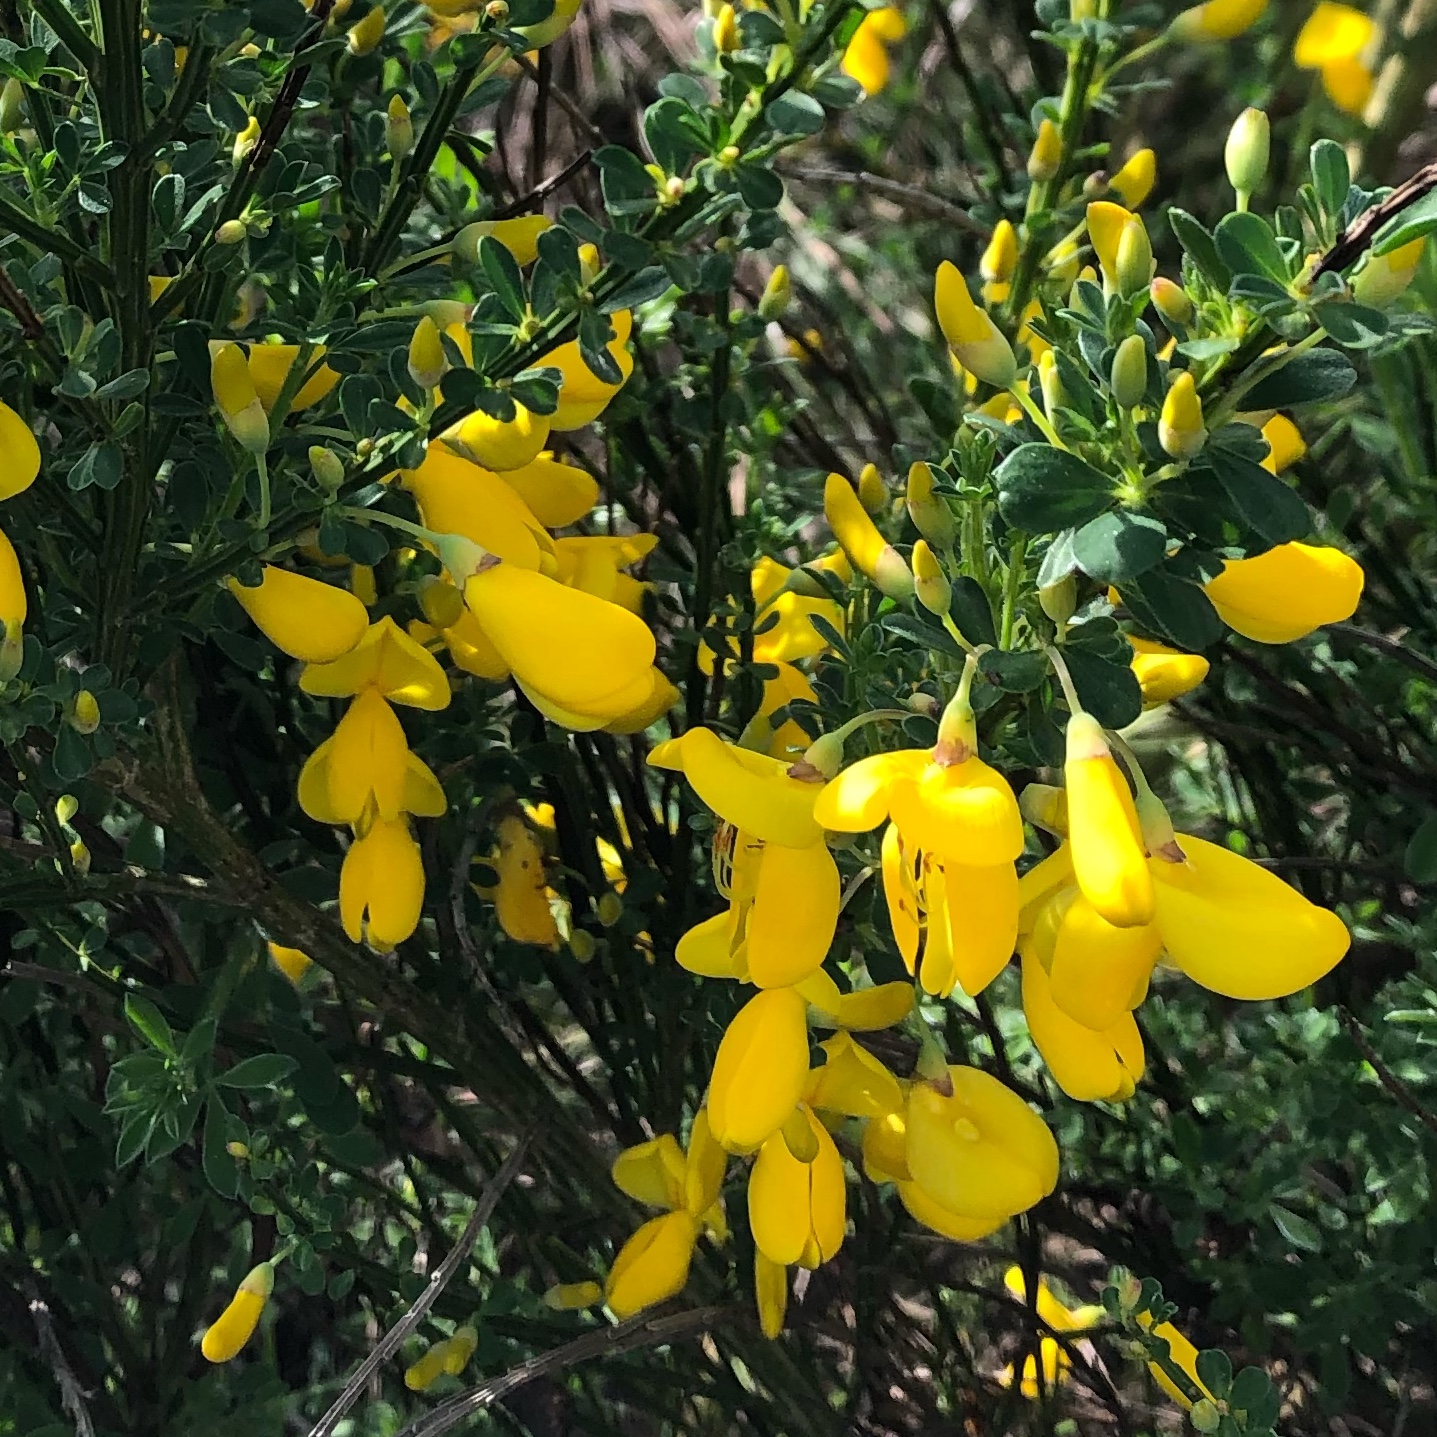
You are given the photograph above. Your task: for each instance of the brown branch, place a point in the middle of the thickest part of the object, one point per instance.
(31, 325)
(1403, 1095)
(909, 196)
(545, 188)
(1361, 232)
(72, 1395)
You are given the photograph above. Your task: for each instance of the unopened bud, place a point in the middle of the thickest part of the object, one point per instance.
(328, 468)
(977, 343)
(66, 807)
(80, 857)
(872, 492)
(1080, 10)
(237, 1150)
(582, 945)
(231, 232)
(590, 263)
(398, 128)
(1171, 301)
(1384, 276)
(1059, 600)
(245, 141)
(776, 294)
(1135, 180)
(1051, 383)
(441, 603)
(673, 190)
(609, 908)
(930, 583)
(1180, 428)
(1000, 259)
(11, 106)
(427, 363)
(1047, 155)
(1129, 377)
(1249, 144)
(930, 514)
(725, 32)
(369, 31)
(84, 715)
(1135, 259)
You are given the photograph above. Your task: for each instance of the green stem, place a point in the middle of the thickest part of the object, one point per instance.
(1030, 408)
(56, 14)
(1254, 376)
(261, 464)
(1017, 552)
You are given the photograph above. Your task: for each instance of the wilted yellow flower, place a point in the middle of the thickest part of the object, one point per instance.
(866, 58)
(236, 1324)
(1286, 593)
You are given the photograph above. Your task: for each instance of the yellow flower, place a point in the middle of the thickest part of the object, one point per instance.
(866, 57)
(1134, 180)
(426, 353)
(1182, 1353)
(305, 618)
(449, 1357)
(595, 564)
(238, 403)
(1285, 444)
(1000, 260)
(521, 895)
(976, 342)
(381, 885)
(760, 1071)
(653, 1265)
(1287, 593)
(545, 32)
(979, 1151)
(387, 660)
(1106, 224)
(867, 549)
(1164, 674)
(1218, 19)
(19, 454)
(14, 607)
(467, 643)
(269, 366)
(556, 492)
(798, 1209)
(456, 496)
(1384, 277)
(1053, 1360)
(1046, 156)
(500, 444)
(294, 963)
(783, 613)
(1181, 430)
(853, 1082)
(725, 31)
(367, 32)
(520, 235)
(1108, 854)
(573, 1296)
(583, 396)
(1336, 40)
(236, 1324)
(860, 1011)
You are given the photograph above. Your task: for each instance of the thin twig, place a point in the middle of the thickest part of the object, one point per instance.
(1400, 1091)
(567, 103)
(72, 1395)
(1388, 645)
(909, 195)
(639, 1332)
(1363, 230)
(438, 1280)
(545, 188)
(31, 325)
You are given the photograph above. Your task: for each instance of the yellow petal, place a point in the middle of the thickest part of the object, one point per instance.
(964, 812)
(900, 891)
(710, 950)
(269, 367)
(982, 907)
(381, 886)
(1164, 674)
(1040, 883)
(457, 497)
(500, 444)
(306, 618)
(653, 1264)
(853, 1082)
(1332, 33)
(1287, 592)
(661, 697)
(521, 896)
(1100, 972)
(19, 454)
(795, 913)
(1285, 444)
(857, 799)
(388, 660)
(949, 1224)
(770, 1286)
(760, 1070)
(652, 1173)
(294, 963)
(705, 1163)
(558, 494)
(797, 1210)
(236, 1324)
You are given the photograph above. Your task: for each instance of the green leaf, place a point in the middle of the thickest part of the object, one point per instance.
(220, 1168)
(131, 383)
(1268, 507)
(150, 1024)
(1109, 691)
(1414, 222)
(72, 758)
(972, 612)
(1253, 1394)
(501, 269)
(1331, 177)
(1214, 1370)
(133, 1137)
(264, 1070)
(1119, 545)
(1198, 244)
(795, 113)
(1419, 860)
(1173, 609)
(1318, 374)
(1044, 490)
(1297, 1230)
(1354, 326)
(627, 186)
(638, 289)
(1014, 672)
(760, 188)
(674, 134)
(1247, 245)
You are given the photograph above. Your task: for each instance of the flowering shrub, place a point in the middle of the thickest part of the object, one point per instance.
(451, 729)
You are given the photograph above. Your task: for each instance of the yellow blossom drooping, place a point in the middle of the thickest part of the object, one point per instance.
(236, 1324)
(387, 660)
(797, 1209)
(1218, 19)
(1164, 674)
(500, 444)
(760, 1070)
(447, 1358)
(520, 236)
(866, 57)
(556, 492)
(294, 963)
(308, 619)
(1286, 593)
(583, 396)
(976, 342)
(19, 454)
(521, 895)
(381, 885)
(1336, 40)
(1054, 1362)
(653, 1265)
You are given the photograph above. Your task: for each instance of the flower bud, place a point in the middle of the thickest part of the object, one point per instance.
(1047, 153)
(237, 1150)
(328, 468)
(1129, 377)
(725, 31)
(80, 857)
(1180, 427)
(930, 514)
(776, 293)
(866, 548)
(427, 363)
(497, 12)
(1051, 383)
(1171, 301)
(11, 113)
(582, 945)
(84, 715)
(294, 963)
(1059, 600)
(236, 1324)
(398, 128)
(245, 141)
(239, 404)
(872, 492)
(1134, 182)
(1249, 144)
(442, 604)
(977, 343)
(572, 1296)
(1217, 20)
(231, 232)
(66, 807)
(367, 33)
(1080, 10)
(590, 263)
(1134, 259)
(1000, 259)
(1383, 278)
(609, 908)
(930, 583)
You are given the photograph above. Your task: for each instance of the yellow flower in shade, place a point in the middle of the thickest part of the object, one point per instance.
(662, 696)
(999, 262)
(19, 454)
(1134, 180)
(1218, 19)
(1164, 674)
(797, 1209)
(233, 388)
(14, 607)
(869, 552)
(573, 1296)
(976, 342)
(269, 366)
(500, 444)
(294, 963)
(467, 643)
(1182, 1353)
(653, 1265)
(305, 618)
(381, 885)
(545, 32)
(521, 895)
(366, 32)
(426, 353)
(770, 1287)
(1054, 1362)
(583, 396)
(861, 1011)
(520, 236)
(866, 57)
(1336, 41)
(1285, 444)
(595, 563)
(1287, 593)
(456, 496)
(785, 602)
(1087, 1064)
(957, 1226)
(236, 1324)
(853, 1082)
(578, 657)
(1108, 854)
(555, 492)
(449, 1357)
(1383, 277)
(652, 1173)
(760, 1071)
(978, 1151)
(387, 660)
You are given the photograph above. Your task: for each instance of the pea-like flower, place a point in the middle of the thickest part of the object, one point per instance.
(760, 1071)
(583, 395)
(19, 454)
(1337, 41)
(1164, 674)
(1286, 593)
(797, 1207)
(867, 549)
(1218, 19)
(381, 885)
(294, 963)
(236, 1324)
(447, 1358)
(976, 342)
(1052, 1360)
(14, 607)
(304, 617)
(866, 57)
